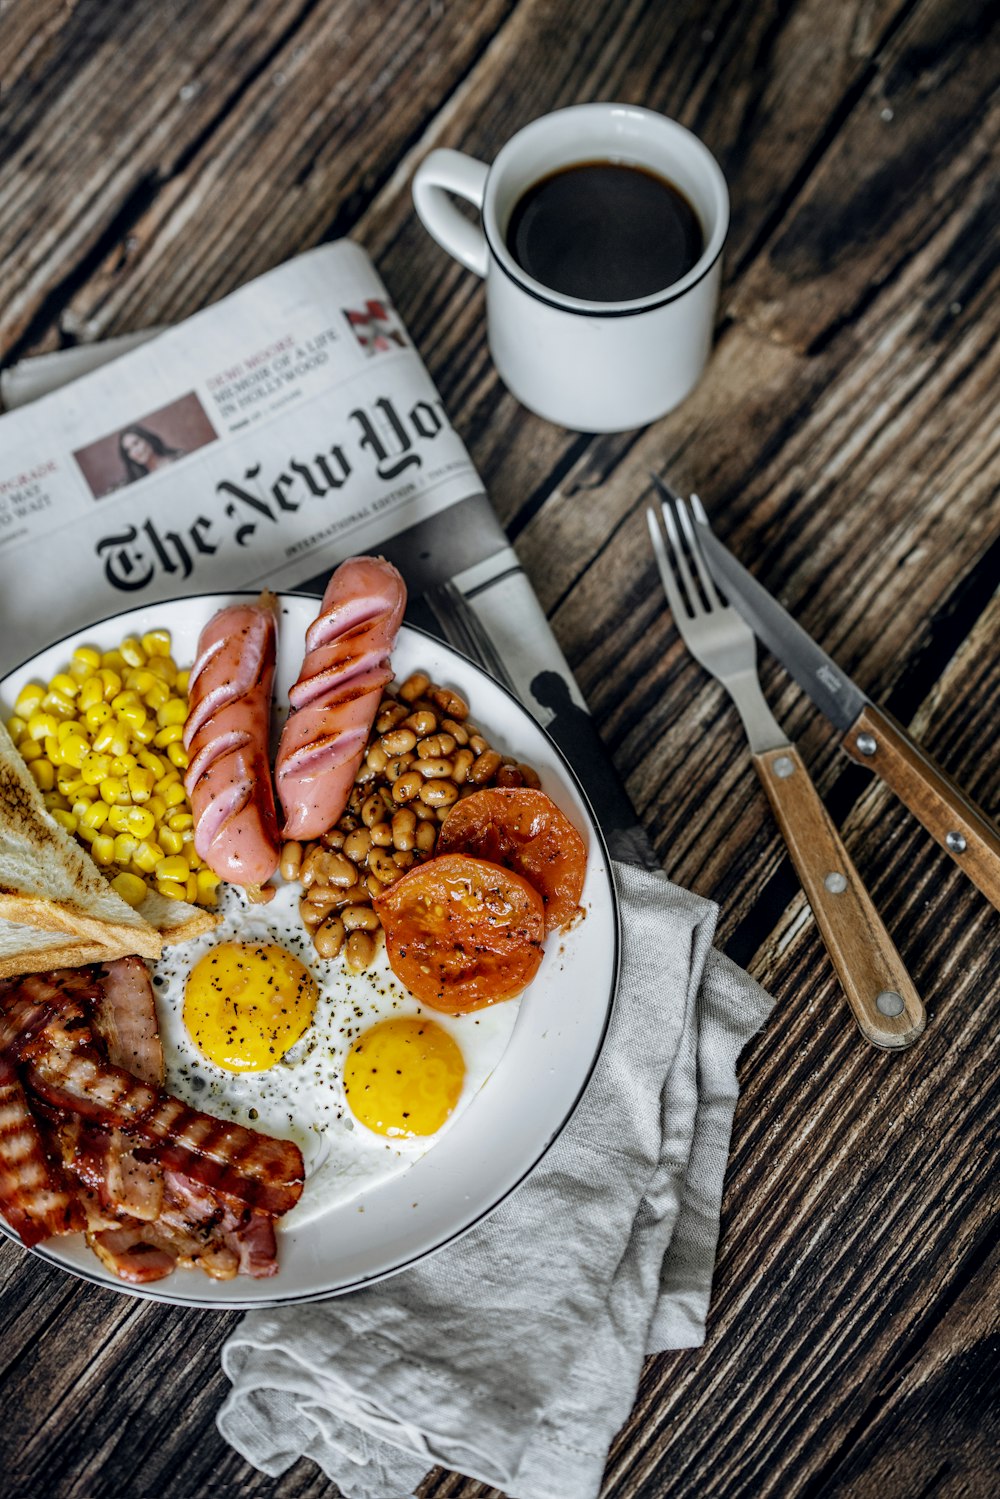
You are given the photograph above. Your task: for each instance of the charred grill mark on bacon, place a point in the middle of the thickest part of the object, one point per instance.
(87, 1143)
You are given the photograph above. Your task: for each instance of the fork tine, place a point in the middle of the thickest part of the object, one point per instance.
(707, 582)
(670, 586)
(695, 605)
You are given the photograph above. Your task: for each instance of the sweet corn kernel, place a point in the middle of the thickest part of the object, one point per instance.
(147, 856)
(64, 683)
(88, 657)
(156, 643)
(150, 760)
(172, 868)
(178, 755)
(132, 651)
(71, 789)
(79, 671)
(53, 748)
(179, 822)
(140, 783)
(113, 789)
(171, 889)
(45, 776)
(29, 750)
(111, 682)
(80, 806)
(165, 667)
(143, 733)
(65, 819)
(29, 700)
(125, 846)
(183, 677)
(66, 728)
(208, 883)
(169, 735)
(118, 818)
(122, 764)
(158, 694)
(42, 724)
(87, 833)
(55, 802)
(75, 750)
(97, 715)
(59, 704)
(175, 795)
(174, 711)
(145, 682)
(95, 816)
(104, 737)
(103, 849)
(124, 699)
(94, 768)
(170, 776)
(170, 842)
(191, 889)
(140, 821)
(16, 727)
(114, 660)
(157, 806)
(130, 887)
(91, 693)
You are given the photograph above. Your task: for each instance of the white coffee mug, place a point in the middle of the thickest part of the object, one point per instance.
(591, 366)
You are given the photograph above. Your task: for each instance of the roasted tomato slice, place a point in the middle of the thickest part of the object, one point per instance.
(525, 831)
(461, 933)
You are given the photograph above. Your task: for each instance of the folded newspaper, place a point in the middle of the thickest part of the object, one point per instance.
(260, 442)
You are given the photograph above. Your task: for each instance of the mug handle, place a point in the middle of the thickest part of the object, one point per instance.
(441, 173)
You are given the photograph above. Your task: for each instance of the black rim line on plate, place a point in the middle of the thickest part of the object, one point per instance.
(140, 1292)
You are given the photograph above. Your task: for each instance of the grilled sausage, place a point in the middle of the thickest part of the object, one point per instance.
(226, 736)
(337, 696)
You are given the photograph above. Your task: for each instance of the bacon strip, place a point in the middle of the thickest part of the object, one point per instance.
(129, 1253)
(33, 1198)
(124, 1017)
(255, 1169)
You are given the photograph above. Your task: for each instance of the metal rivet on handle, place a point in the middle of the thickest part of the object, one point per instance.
(956, 843)
(784, 767)
(835, 882)
(889, 1003)
(867, 743)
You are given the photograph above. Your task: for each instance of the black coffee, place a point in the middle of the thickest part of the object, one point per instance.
(604, 232)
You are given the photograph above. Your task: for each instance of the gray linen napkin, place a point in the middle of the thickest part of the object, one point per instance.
(514, 1355)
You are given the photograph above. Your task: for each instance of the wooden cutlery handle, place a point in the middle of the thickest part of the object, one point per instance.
(962, 828)
(880, 991)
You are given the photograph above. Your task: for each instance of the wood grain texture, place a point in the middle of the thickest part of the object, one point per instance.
(872, 974)
(846, 445)
(934, 798)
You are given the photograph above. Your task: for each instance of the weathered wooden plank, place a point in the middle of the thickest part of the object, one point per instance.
(893, 176)
(936, 1427)
(129, 90)
(167, 81)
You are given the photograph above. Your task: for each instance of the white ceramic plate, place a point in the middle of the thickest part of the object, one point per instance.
(512, 1121)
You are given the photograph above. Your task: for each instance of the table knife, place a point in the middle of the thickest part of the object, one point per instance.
(869, 734)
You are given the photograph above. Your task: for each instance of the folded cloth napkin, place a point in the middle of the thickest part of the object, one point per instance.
(514, 1355)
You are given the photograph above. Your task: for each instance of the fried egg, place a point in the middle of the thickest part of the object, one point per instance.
(308, 1075)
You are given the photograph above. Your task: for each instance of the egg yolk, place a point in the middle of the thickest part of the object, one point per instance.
(403, 1077)
(246, 1003)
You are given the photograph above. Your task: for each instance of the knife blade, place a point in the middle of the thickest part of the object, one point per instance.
(869, 735)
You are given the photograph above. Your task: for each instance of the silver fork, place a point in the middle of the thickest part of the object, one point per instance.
(879, 989)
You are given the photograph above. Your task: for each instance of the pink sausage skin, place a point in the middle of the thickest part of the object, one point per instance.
(336, 698)
(226, 737)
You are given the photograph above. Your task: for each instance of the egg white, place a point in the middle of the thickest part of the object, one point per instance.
(302, 1097)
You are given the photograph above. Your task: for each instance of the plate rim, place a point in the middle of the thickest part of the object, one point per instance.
(147, 1293)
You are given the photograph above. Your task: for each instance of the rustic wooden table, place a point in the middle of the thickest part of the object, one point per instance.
(156, 155)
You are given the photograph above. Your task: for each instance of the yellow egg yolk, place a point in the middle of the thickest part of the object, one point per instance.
(403, 1077)
(246, 1003)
